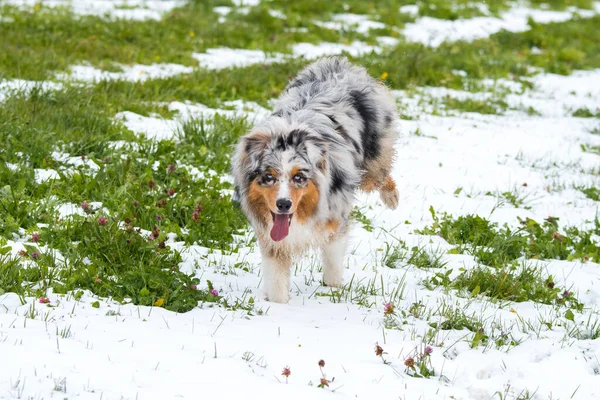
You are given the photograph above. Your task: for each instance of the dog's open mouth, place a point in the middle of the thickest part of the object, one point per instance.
(281, 226)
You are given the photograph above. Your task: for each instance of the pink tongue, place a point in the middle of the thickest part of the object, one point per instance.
(281, 227)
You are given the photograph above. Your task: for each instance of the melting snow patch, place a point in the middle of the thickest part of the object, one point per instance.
(411, 9)
(311, 51)
(358, 23)
(43, 175)
(250, 3)
(135, 73)
(433, 31)
(152, 127)
(120, 9)
(9, 87)
(222, 10)
(189, 110)
(75, 161)
(226, 58)
(155, 127)
(67, 210)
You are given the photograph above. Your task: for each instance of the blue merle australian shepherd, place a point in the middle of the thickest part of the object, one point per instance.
(296, 172)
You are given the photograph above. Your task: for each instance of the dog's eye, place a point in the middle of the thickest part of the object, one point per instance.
(269, 178)
(299, 178)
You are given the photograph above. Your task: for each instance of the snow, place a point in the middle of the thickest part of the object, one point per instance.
(70, 349)
(44, 175)
(76, 162)
(312, 51)
(8, 87)
(248, 3)
(66, 210)
(411, 9)
(158, 128)
(121, 9)
(226, 58)
(134, 73)
(355, 22)
(123, 351)
(433, 31)
(152, 127)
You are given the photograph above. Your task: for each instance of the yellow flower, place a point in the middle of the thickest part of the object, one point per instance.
(384, 75)
(37, 6)
(159, 302)
(157, 58)
(513, 310)
(171, 36)
(191, 34)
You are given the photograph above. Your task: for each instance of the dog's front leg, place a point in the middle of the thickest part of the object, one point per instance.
(276, 276)
(333, 260)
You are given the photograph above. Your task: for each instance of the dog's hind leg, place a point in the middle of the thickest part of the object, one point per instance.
(377, 173)
(388, 193)
(276, 276)
(333, 260)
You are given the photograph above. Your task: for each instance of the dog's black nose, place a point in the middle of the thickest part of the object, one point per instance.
(284, 205)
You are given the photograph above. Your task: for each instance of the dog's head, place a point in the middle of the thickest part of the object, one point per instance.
(278, 177)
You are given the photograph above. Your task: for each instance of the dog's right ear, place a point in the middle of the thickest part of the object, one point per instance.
(255, 143)
(247, 157)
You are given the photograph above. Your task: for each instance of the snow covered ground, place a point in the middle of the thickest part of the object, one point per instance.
(71, 349)
(80, 349)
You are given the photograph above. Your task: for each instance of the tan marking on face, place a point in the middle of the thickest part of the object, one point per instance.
(262, 200)
(295, 170)
(306, 199)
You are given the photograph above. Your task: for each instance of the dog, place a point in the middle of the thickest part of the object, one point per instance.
(296, 172)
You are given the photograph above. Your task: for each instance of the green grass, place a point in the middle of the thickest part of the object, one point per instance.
(38, 43)
(517, 284)
(501, 246)
(44, 40)
(591, 192)
(585, 112)
(148, 185)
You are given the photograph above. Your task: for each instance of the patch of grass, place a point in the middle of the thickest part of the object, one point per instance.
(10, 275)
(147, 185)
(169, 187)
(422, 259)
(487, 106)
(591, 192)
(110, 262)
(455, 318)
(566, 46)
(358, 216)
(591, 149)
(393, 254)
(584, 112)
(514, 198)
(509, 284)
(499, 247)
(43, 40)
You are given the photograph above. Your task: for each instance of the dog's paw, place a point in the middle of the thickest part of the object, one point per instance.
(278, 296)
(389, 198)
(332, 278)
(335, 283)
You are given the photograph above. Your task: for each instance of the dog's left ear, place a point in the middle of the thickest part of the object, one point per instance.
(256, 142)
(247, 157)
